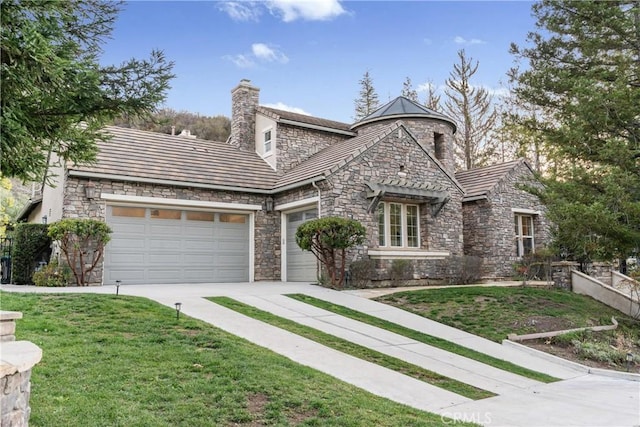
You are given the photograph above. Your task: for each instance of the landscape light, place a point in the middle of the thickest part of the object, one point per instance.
(178, 308)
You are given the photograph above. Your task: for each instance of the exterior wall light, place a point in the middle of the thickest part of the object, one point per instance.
(267, 205)
(90, 190)
(178, 308)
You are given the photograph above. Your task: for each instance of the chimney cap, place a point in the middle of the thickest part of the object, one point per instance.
(245, 84)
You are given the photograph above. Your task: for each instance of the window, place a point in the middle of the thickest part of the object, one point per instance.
(234, 218)
(267, 142)
(398, 225)
(130, 212)
(165, 214)
(200, 216)
(524, 234)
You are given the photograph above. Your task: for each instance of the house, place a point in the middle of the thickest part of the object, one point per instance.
(186, 210)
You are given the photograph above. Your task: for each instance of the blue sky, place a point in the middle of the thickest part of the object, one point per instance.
(308, 55)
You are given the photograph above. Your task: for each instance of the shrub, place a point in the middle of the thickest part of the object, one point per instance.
(328, 239)
(401, 270)
(53, 275)
(31, 245)
(82, 243)
(362, 272)
(462, 270)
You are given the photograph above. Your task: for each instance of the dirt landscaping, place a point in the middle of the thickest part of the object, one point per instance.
(496, 312)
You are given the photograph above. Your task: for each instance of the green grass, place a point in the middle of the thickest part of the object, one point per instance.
(125, 361)
(356, 350)
(495, 312)
(424, 338)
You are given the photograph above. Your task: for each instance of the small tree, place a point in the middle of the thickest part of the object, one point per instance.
(82, 242)
(328, 239)
(367, 101)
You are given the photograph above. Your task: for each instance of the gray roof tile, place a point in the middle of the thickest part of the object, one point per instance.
(480, 181)
(303, 118)
(141, 154)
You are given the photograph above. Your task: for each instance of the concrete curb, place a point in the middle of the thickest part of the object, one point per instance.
(573, 365)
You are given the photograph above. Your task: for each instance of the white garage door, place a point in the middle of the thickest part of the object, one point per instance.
(150, 245)
(301, 265)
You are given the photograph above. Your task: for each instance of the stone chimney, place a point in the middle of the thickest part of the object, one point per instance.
(244, 100)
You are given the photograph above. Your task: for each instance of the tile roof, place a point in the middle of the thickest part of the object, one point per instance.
(480, 181)
(335, 156)
(150, 155)
(303, 118)
(402, 107)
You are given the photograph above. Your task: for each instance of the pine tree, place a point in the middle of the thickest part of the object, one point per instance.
(475, 112)
(52, 82)
(584, 73)
(408, 91)
(368, 101)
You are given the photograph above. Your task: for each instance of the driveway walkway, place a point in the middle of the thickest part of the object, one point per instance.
(580, 399)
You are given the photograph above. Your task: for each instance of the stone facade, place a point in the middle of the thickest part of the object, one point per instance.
(18, 359)
(344, 194)
(416, 148)
(297, 144)
(434, 135)
(267, 225)
(489, 223)
(244, 100)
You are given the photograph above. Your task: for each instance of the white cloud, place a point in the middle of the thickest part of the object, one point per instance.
(285, 107)
(462, 40)
(241, 61)
(241, 11)
(266, 53)
(260, 52)
(309, 10)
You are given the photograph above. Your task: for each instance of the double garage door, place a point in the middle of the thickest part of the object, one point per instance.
(164, 245)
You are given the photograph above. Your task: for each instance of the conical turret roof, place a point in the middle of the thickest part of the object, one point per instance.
(400, 108)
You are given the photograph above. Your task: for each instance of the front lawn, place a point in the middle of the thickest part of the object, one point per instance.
(495, 312)
(125, 361)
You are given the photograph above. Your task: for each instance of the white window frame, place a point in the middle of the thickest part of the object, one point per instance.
(520, 237)
(386, 242)
(269, 130)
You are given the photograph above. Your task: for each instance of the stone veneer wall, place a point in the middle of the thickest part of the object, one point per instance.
(344, 194)
(267, 225)
(489, 224)
(18, 359)
(424, 130)
(244, 100)
(297, 144)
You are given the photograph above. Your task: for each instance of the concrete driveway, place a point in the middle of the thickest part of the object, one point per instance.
(582, 398)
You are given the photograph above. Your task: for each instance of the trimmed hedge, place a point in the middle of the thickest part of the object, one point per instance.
(31, 244)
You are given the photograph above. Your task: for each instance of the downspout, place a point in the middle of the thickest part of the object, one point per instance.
(313, 184)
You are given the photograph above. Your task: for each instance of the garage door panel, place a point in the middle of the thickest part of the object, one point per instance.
(166, 230)
(198, 247)
(127, 257)
(192, 230)
(126, 243)
(301, 265)
(165, 275)
(198, 259)
(121, 228)
(126, 275)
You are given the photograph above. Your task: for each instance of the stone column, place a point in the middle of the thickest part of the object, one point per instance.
(16, 361)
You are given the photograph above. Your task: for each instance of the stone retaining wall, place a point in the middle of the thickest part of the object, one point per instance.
(16, 361)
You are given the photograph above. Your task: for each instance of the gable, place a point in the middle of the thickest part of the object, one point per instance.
(481, 183)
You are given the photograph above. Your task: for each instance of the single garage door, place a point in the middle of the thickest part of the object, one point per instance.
(301, 265)
(150, 245)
